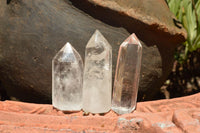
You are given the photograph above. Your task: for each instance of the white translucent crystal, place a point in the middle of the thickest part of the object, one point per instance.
(67, 79)
(97, 84)
(127, 76)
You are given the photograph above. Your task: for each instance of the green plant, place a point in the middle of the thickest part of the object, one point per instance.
(188, 13)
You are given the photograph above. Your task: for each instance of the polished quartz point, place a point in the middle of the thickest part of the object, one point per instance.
(127, 76)
(67, 79)
(97, 84)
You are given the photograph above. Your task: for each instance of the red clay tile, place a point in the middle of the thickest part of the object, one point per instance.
(162, 116)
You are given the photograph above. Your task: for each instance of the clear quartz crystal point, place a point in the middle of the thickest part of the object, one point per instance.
(127, 76)
(97, 84)
(67, 79)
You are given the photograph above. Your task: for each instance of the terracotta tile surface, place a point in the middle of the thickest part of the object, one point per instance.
(162, 116)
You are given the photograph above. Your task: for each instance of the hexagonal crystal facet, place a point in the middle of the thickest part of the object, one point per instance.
(67, 79)
(127, 76)
(97, 84)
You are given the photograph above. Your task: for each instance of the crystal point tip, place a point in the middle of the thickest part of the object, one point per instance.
(96, 38)
(67, 48)
(132, 39)
(97, 32)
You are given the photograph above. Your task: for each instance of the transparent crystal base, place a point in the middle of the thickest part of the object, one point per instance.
(122, 110)
(68, 107)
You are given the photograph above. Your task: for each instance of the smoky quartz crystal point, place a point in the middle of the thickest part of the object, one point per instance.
(67, 79)
(127, 76)
(97, 84)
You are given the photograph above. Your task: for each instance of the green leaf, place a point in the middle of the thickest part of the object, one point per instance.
(196, 43)
(197, 6)
(186, 13)
(190, 15)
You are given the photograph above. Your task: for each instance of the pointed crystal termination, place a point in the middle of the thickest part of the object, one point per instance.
(97, 83)
(127, 76)
(67, 79)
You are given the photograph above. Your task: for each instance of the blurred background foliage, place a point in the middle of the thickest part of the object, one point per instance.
(188, 13)
(185, 76)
